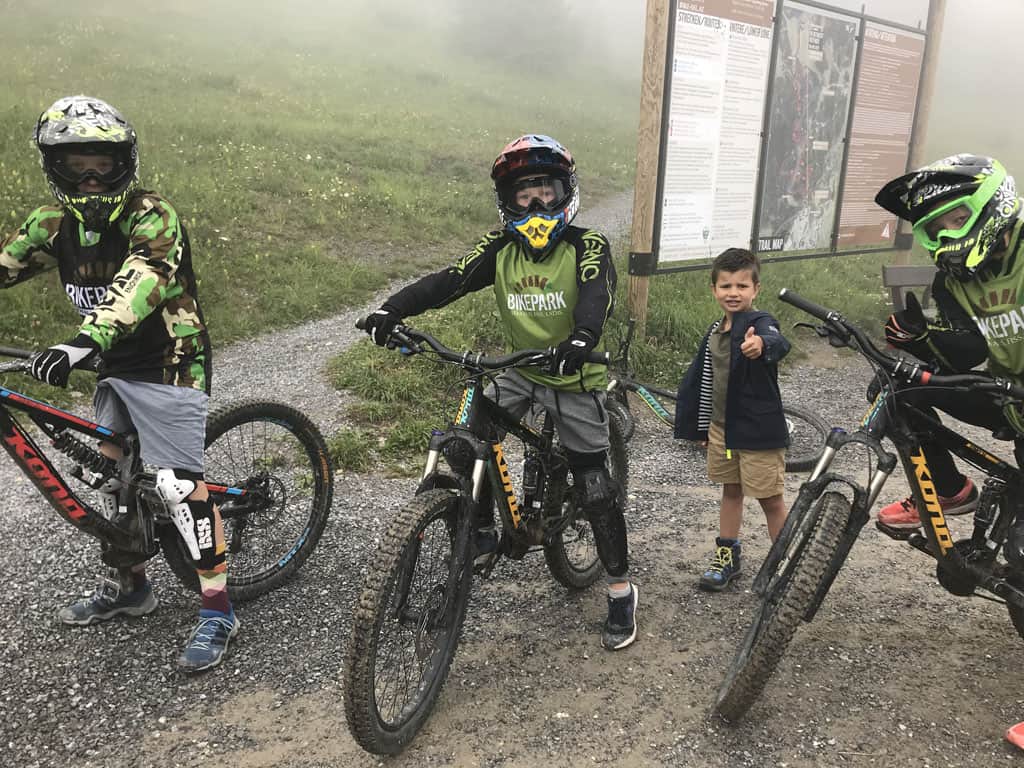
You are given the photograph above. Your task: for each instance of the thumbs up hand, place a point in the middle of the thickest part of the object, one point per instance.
(752, 346)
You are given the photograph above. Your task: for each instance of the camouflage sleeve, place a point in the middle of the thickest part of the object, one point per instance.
(147, 278)
(472, 272)
(27, 252)
(595, 275)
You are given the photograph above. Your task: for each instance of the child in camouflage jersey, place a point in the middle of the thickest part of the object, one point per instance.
(125, 263)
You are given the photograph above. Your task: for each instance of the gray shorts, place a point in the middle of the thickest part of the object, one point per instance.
(580, 417)
(170, 420)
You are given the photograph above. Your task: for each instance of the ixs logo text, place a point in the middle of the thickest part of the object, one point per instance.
(931, 501)
(43, 476)
(537, 302)
(205, 532)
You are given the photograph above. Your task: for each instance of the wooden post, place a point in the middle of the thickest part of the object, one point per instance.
(648, 151)
(929, 65)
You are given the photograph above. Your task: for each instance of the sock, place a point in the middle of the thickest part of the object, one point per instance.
(139, 579)
(214, 582)
(617, 591)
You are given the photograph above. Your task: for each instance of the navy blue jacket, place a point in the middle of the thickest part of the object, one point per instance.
(753, 411)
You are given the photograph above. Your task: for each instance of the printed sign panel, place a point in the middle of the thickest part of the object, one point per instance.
(721, 53)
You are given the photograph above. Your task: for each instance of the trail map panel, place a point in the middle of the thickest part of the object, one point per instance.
(811, 94)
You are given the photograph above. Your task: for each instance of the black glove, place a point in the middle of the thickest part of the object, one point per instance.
(381, 323)
(907, 325)
(571, 353)
(53, 365)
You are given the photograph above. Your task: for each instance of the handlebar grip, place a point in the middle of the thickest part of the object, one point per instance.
(798, 301)
(600, 358)
(361, 323)
(24, 354)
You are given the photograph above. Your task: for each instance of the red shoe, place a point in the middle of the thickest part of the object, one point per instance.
(1015, 735)
(903, 514)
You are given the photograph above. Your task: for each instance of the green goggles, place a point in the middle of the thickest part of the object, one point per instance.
(955, 218)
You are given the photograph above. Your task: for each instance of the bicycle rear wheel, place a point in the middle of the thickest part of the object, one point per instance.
(807, 435)
(407, 622)
(799, 564)
(279, 457)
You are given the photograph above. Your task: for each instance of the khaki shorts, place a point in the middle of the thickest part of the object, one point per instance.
(760, 473)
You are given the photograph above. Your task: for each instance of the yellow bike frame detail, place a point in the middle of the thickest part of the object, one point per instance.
(931, 501)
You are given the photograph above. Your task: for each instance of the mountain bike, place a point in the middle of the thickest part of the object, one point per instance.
(807, 432)
(831, 508)
(267, 469)
(417, 586)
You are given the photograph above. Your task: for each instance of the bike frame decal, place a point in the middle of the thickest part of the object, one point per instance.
(41, 473)
(869, 415)
(506, 484)
(36, 405)
(215, 488)
(462, 417)
(931, 500)
(652, 402)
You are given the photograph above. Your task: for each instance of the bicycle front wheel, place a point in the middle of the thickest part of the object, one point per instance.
(278, 456)
(807, 435)
(799, 564)
(407, 622)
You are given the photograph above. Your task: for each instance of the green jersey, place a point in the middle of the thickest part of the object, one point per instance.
(540, 300)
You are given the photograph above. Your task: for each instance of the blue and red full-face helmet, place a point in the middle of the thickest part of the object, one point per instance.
(536, 191)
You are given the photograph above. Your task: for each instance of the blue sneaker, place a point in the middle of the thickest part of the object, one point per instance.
(725, 565)
(107, 602)
(208, 642)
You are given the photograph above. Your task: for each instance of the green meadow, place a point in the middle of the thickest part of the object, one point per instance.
(315, 150)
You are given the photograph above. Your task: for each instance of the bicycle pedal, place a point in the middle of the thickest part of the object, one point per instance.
(900, 534)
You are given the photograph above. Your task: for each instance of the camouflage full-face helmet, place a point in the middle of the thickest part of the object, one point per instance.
(960, 207)
(90, 156)
(536, 191)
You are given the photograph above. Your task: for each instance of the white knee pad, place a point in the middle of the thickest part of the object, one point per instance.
(174, 490)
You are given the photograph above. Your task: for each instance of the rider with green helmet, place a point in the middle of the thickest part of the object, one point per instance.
(965, 212)
(124, 261)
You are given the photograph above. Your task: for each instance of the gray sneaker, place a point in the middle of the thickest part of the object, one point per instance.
(107, 602)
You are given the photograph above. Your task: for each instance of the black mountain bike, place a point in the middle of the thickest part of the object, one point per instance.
(831, 509)
(410, 612)
(807, 432)
(267, 470)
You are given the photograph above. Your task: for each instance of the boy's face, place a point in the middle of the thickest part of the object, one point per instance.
(532, 188)
(735, 291)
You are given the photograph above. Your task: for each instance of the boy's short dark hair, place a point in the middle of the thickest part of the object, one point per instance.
(734, 260)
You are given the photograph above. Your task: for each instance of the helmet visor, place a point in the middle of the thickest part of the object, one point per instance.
(73, 166)
(537, 192)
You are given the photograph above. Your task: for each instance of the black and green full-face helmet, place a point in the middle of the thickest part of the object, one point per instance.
(960, 207)
(90, 156)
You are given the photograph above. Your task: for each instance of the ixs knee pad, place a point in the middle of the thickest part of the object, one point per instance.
(193, 519)
(598, 499)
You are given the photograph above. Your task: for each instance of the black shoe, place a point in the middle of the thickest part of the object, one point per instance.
(620, 626)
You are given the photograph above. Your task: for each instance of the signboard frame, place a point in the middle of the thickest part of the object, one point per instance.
(647, 264)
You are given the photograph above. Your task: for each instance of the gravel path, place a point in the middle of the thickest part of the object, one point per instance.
(892, 671)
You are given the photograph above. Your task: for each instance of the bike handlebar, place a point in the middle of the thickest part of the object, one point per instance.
(23, 355)
(411, 338)
(908, 370)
